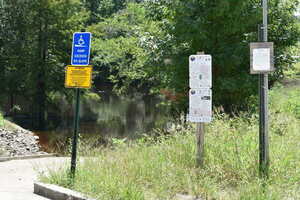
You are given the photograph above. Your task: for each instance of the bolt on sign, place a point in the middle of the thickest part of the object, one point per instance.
(78, 76)
(261, 57)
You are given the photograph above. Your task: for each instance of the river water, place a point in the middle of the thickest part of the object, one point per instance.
(100, 119)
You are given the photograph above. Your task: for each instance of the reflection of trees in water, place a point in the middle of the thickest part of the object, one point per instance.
(123, 116)
(109, 116)
(101, 119)
(132, 113)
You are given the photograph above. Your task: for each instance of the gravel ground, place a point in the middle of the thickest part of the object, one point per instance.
(18, 143)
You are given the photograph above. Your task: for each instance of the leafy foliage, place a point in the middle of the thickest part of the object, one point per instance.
(224, 29)
(140, 46)
(124, 47)
(36, 37)
(145, 46)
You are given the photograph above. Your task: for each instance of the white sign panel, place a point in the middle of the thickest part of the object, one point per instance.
(261, 59)
(200, 71)
(200, 105)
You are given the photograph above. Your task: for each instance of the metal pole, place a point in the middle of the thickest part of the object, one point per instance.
(75, 136)
(265, 20)
(263, 96)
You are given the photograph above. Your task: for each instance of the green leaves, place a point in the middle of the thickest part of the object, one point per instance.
(122, 48)
(142, 46)
(224, 29)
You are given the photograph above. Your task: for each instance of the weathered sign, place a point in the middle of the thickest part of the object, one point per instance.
(200, 105)
(200, 71)
(261, 57)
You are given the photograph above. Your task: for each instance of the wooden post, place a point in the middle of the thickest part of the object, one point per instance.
(200, 139)
(200, 144)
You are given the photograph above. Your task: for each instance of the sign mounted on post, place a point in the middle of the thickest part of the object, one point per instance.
(200, 105)
(200, 98)
(261, 57)
(81, 48)
(200, 95)
(78, 76)
(200, 71)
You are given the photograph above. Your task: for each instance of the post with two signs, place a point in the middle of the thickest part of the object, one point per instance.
(200, 98)
(78, 75)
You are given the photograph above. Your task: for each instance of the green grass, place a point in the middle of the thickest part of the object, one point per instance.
(294, 72)
(1, 121)
(163, 167)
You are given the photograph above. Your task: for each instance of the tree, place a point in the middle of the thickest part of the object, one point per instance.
(40, 34)
(123, 50)
(100, 9)
(223, 29)
(14, 43)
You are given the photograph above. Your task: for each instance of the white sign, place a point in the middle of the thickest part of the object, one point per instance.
(261, 59)
(200, 71)
(200, 105)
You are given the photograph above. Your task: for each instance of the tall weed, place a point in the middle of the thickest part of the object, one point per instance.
(161, 167)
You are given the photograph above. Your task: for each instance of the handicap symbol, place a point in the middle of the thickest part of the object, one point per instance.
(80, 42)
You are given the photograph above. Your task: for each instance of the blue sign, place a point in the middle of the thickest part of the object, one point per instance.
(81, 48)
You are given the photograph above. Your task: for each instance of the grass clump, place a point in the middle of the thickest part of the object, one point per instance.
(1, 120)
(160, 168)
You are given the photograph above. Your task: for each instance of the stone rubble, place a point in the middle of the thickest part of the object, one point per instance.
(18, 143)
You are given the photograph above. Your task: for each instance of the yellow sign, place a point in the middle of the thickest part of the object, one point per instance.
(78, 76)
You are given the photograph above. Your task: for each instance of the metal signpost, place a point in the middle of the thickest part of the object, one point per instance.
(200, 98)
(262, 62)
(78, 75)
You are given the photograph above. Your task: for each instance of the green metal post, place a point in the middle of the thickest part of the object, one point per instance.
(75, 136)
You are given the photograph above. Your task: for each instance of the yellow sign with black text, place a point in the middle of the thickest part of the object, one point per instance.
(78, 76)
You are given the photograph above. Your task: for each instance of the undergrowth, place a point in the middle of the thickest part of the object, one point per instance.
(161, 167)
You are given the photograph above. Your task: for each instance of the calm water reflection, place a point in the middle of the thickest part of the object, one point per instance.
(105, 118)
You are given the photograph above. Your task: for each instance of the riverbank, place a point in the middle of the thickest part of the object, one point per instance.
(162, 167)
(16, 141)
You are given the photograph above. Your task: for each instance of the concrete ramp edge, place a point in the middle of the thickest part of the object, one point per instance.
(51, 191)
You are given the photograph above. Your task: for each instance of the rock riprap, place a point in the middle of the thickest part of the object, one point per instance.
(18, 143)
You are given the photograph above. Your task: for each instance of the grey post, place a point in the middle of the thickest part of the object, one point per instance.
(200, 138)
(263, 96)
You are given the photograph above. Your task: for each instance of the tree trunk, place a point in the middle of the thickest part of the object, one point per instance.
(41, 82)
